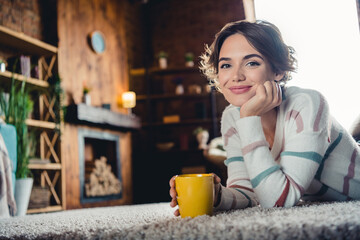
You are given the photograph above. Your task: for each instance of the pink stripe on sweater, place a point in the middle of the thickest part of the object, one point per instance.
(232, 131)
(298, 119)
(253, 146)
(297, 186)
(351, 173)
(281, 201)
(319, 114)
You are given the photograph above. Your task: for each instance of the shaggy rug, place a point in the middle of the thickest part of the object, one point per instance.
(156, 221)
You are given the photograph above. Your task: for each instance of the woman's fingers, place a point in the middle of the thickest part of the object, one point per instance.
(267, 97)
(177, 213)
(173, 203)
(217, 179)
(172, 181)
(172, 192)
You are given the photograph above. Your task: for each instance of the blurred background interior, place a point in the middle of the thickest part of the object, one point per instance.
(117, 104)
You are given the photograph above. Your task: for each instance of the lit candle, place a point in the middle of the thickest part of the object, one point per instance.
(128, 99)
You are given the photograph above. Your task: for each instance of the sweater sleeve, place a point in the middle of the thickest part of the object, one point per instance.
(238, 193)
(305, 141)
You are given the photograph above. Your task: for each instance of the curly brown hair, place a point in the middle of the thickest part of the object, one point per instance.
(265, 37)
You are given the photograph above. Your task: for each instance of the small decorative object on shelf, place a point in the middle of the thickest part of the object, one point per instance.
(164, 146)
(202, 136)
(128, 100)
(171, 119)
(189, 59)
(86, 95)
(179, 90)
(162, 56)
(194, 89)
(2, 65)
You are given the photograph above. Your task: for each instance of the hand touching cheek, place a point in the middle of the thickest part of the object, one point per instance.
(268, 96)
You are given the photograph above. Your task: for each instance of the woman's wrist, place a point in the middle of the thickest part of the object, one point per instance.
(217, 196)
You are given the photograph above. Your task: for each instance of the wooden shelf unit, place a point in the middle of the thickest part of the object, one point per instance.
(52, 175)
(6, 78)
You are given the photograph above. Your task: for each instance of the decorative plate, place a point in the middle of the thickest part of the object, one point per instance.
(97, 42)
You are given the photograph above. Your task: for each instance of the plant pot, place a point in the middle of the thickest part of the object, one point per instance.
(87, 99)
(179, 90)
(189, 63)
(163, 63)
(202, 138)
(23, 188)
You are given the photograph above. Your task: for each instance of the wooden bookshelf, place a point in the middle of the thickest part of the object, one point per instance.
(52, 174)
(25, 44)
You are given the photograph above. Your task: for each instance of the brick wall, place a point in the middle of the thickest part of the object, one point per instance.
(175, 26)
(135, 33)
(22, 16)
(180, 26)
(35, 18)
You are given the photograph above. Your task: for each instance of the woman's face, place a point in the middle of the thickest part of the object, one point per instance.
(241, 69)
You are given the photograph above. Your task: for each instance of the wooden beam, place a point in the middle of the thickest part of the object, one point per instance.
(7, 76)
(46, 166)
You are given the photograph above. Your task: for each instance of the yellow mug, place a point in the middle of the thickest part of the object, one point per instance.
(195, 194)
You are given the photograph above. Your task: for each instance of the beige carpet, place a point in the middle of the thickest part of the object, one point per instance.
(155, 221)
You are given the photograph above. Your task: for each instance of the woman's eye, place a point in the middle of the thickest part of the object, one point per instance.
(253, 64)
(224, 66)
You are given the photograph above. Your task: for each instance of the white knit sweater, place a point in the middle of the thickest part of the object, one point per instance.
(312, 157)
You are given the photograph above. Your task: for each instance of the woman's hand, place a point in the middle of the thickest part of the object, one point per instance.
(173, 203)
(267, 97)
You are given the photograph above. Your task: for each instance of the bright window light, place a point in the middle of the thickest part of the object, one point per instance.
(325, 35)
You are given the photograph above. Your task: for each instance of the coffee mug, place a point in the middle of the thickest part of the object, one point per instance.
(195, 194)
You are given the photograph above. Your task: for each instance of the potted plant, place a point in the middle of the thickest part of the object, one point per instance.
(16, 109)
(189, 59)
(57, 92)
(162, 56)
(86, 95)
(202, 136)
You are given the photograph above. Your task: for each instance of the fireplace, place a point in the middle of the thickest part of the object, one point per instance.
(99, 166)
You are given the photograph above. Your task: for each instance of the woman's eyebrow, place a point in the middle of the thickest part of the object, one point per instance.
(245, 58)
(224, 59)
(253, 55)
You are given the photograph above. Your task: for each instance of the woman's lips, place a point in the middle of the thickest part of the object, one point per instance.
(239, 89)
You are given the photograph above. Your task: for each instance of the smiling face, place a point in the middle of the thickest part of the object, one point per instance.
(241, 69)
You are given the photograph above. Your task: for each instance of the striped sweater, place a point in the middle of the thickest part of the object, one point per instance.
(312, 157)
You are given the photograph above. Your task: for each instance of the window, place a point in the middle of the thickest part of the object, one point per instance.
(325, 35)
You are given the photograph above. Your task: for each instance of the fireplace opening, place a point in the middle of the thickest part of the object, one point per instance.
(100, 166)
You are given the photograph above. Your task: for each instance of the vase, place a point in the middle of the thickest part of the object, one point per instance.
(202, 138)
(179, 90)
(87, 99)
(163, 63)
(189, 63)
(23, 188)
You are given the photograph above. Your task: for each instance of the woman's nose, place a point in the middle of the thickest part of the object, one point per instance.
(238, 75)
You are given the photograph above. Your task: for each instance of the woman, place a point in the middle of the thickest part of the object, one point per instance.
(282, 144)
